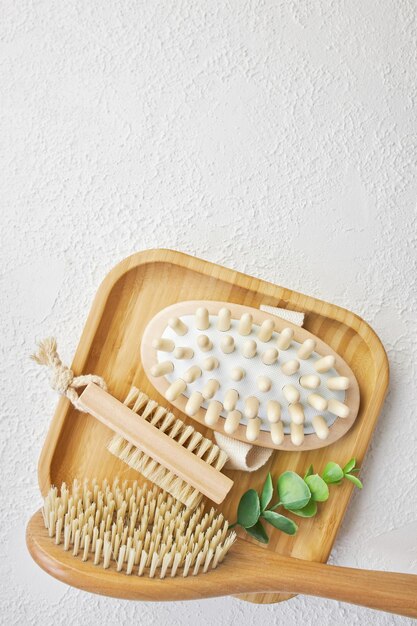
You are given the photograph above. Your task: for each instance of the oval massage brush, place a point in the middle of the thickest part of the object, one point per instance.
(90, 536)
(249, 374)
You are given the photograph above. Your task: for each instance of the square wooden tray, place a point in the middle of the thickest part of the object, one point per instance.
(132, 293)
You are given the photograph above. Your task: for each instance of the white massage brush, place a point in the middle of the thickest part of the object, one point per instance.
(250, 374)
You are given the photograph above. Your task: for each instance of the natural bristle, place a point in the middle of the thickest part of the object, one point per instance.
(135, 530)
(183, 433)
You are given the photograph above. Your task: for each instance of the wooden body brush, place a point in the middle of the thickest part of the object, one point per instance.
(92, 537)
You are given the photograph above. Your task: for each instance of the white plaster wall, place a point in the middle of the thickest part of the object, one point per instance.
(278, 138)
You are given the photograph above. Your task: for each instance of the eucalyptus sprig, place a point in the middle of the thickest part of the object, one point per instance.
(295, 494)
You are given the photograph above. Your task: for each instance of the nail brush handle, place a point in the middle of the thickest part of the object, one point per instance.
(162, 448)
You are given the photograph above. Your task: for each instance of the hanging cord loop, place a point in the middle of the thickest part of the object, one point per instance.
(62, 377)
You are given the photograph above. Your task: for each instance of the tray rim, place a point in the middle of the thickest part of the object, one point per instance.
(228, 275)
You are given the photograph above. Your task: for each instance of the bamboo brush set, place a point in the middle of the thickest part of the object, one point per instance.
(170, 373)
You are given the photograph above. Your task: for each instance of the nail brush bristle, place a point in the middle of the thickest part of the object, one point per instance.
(183, 433)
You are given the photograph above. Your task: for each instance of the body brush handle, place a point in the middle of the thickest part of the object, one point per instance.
(269, 572)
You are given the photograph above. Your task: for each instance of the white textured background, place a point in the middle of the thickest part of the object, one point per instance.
(278, 138)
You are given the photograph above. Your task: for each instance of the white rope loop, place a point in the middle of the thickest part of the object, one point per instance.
(62, 378)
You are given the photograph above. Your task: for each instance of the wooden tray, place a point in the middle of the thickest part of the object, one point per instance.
(132, 293)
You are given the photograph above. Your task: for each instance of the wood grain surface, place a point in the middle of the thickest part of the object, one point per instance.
(132, 293)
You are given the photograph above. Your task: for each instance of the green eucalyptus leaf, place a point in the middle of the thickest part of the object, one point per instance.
(267, 492)
(249, 509)
(293, 492)
(332, 473)
(355, 480)
(281, 522)
(355, 471)
(349, 466)
(319, 489)
(309, 510)
(309, 472)
(258, 532)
